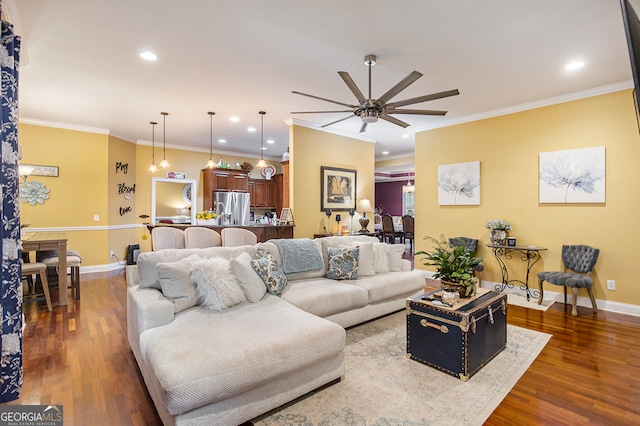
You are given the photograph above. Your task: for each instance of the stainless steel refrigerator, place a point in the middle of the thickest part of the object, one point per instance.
(232, 208)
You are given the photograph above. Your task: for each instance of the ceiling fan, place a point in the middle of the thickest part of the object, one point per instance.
(369, 110)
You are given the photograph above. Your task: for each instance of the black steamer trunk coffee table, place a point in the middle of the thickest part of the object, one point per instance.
(457, 340)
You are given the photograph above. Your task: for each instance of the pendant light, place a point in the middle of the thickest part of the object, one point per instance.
(211, 164)
(164, 163)
(153, 168)
(261, 163)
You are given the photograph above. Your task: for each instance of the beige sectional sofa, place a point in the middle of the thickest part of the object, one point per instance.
(224, 367)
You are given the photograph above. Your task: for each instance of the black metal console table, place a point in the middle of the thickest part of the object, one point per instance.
(529, 254)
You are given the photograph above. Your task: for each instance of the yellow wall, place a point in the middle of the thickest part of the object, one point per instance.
(311, 149)
(508, 148)
(77, 194)
(121, 166)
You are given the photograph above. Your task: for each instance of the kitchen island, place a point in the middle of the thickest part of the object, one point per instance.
(264, 232)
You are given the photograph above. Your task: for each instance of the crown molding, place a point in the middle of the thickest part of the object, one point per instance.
(309, 125)
(596, 91)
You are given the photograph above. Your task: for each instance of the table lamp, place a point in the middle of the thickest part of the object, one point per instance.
(365, 206)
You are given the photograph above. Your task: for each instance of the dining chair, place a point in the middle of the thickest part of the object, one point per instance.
(388, 231)
(166, 237)
(233, 237)
(28, 269)
(201, 237)
(407, 230)
(74, 260)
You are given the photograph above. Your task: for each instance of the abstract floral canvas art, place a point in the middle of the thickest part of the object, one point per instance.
(573, 176)
(459, 184)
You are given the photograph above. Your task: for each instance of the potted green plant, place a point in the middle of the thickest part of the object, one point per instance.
(454, 266)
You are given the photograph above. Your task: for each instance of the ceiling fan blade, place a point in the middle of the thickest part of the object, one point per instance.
(352, 85)
(406, 82)
(425, 98)
(337, 121)
(416, 111)
(324, 99)
(394, 121)
(363, 127)
(318, 112)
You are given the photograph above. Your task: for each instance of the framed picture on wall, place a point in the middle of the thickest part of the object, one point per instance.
(573, 176)
(337, 189)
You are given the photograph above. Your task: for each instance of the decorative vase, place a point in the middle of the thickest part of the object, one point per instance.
(450, 296)
(498, 236)
(460, 288)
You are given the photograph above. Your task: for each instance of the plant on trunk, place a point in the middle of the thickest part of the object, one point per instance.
(453, 264)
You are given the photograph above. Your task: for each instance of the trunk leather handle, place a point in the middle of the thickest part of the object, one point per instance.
(443, 328)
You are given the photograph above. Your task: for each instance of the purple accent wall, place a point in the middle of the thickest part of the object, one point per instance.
(389, 194)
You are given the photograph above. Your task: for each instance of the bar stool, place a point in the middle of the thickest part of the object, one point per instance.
(73, 263)
(40, 268)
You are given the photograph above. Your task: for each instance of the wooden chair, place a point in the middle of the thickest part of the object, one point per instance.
(407, 230)
(39, 268)
(578, 262)
(200, 237)
(73, 263)
(388, 232)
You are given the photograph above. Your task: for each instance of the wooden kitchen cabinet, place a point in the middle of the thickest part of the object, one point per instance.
(264, 193)
(222, 180)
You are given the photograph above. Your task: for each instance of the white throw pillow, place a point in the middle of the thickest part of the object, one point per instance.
(395, 252)
(175, 283)
(251, 283)
(380, 259)
(216, 286)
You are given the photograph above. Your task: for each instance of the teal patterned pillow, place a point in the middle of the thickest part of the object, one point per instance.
(343, 263)
(267, 268)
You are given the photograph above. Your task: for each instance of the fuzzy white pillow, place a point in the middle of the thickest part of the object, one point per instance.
(380, 259)
(217, 288)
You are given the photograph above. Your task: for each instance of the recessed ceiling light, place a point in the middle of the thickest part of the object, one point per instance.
(270, 141)
(575, 65)
(385, 152)
(251, 129)
(406, 135)
(263, 147)
(149, 56)
(222, 140)
(234, 119)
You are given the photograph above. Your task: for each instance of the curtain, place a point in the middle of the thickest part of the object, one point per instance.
(11, 291)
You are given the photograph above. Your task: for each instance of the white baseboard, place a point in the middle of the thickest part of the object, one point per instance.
(101, 268)
(584, 301)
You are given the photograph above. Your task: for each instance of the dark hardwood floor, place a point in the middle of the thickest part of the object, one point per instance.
(79, 356)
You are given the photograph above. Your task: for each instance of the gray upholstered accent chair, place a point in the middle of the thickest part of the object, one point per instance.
(578, 261)
(472, 245)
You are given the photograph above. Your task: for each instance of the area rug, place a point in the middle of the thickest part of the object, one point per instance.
(382, 387)
(518, 300)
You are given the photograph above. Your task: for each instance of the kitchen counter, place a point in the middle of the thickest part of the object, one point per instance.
(263, 231)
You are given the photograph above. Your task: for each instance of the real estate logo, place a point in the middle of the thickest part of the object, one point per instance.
(31, 415)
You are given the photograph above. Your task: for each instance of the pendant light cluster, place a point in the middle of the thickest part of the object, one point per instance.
(211, 164)
(261, 163)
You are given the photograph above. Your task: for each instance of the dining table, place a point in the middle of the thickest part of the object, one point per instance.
(44, 241)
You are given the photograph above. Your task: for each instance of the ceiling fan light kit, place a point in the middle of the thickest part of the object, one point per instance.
(370, 110)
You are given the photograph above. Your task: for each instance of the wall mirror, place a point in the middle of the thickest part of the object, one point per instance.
(171, 199)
